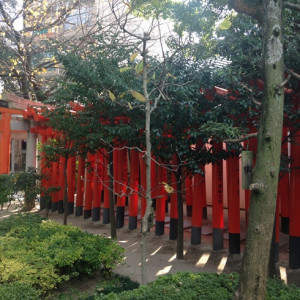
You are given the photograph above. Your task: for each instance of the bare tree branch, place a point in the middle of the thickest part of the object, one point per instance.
(241, 138)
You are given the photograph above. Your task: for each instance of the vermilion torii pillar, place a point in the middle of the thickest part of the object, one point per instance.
(188, 195)
(283, 188)
(160, 201)
(5, 118)
(89, 186)
(173, 210)
(97, 187)
(217, 205)
(80, 186)
(71, 172)
(134, 186)
(233, 197)
(294, 240)
(55, 183)
(106, 179)
(121, 187)
(198, 200)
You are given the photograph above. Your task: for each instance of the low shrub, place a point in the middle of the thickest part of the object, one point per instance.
(43, 254)
(17, 291)
(206, 286)
(18, 220)
(114, 284)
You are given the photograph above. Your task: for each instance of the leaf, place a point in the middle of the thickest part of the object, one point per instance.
(138, 96)
(124, 69)
(123, 94)
(168, 188)
(111, 96)
(225, 24)
(133, 56)
(171, 75)
(139, 67)
(130, 106)
(44, 70)
(153, 76)
(155, 3)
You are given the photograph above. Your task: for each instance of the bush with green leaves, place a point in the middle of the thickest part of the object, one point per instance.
(17, 291)
(29, 182)
(6, 187)
(46, 253)
(197, 286)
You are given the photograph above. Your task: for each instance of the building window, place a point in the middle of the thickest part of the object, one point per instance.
(79, 17)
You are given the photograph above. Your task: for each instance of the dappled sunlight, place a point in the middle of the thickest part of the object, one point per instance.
(136, 243)
(283, 274)
(222, 264)
(123, 242)
(203, 260)
(172, 258)
(154, 252)
(164, 271)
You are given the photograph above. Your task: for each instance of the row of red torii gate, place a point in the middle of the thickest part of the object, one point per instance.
(88, 186)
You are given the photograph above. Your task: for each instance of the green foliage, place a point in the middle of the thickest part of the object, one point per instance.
(17, 291)
(194, 286)
(184, 285)
(6, 187)
(43, 254)
(115, 284)
(29, 182)
(19, 220)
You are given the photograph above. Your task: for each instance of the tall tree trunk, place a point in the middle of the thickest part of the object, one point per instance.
(253, 277)
(179, 252)
(113, 228)
(148, 211)
(66, 192)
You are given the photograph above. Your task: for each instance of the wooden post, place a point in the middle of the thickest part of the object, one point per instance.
(233, 195)
(134, 185)
(197, 212)
(173, 209)
(80, 186)
(217, 205)
(160, 201)
(294, 240)
(89, 186)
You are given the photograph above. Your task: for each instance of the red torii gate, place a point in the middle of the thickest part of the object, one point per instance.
(220, 188)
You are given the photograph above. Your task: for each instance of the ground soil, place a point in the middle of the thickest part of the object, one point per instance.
(162, 254)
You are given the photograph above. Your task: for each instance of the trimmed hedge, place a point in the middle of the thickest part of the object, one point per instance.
(197, 286)
(44, 253)
(17, 291)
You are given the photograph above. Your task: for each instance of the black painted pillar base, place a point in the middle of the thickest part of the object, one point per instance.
(294, 258)
(120, 216)
(204, 212)
(54, 206)
(43, 203)
(70, 208)
(285, 225)
(154, 204)
(189, 210)
(276, 252)
(61, 206)
(167, 205)
(87, 213)
(78, 211)
(106, 215)
(173, 229)
(234, 243)
(132, 222)
(196, 235)
(218, 239)
(159, 228)
(96, 214)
